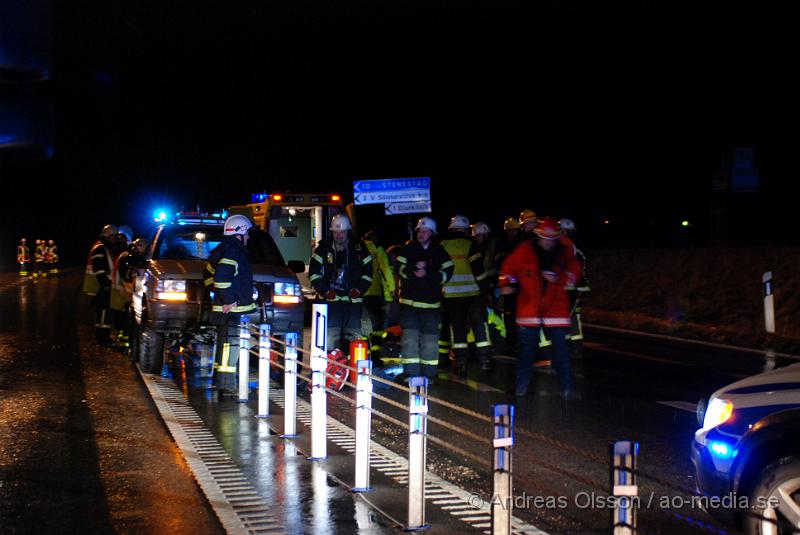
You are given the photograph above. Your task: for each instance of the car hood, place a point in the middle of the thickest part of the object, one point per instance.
(780, 386)
(193, 270)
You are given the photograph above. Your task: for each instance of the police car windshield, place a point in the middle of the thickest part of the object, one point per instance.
(263, 249)
(187, 242)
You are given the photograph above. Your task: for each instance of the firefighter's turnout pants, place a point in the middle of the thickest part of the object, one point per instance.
(420, 340)
(464, 313)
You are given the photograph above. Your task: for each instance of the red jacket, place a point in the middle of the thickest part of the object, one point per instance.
(540, 302)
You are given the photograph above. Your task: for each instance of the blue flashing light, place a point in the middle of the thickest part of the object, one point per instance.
(160, 216)
(722, 450)
(258, 197)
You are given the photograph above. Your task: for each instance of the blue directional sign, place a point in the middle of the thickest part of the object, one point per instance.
(391, 184)
(387, 190)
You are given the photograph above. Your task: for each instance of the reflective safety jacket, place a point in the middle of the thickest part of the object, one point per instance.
(539, 302)
(229, 264)
(23, 254)
(341, 270)
(382, 272)
(98, 269)
(423, 292)
(40, 252)
(51, 254)
(469, 277)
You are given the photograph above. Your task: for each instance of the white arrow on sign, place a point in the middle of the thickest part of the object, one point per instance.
(396, 208)
(414, 195)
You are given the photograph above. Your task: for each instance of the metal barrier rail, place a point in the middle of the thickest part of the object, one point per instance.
(623, 458)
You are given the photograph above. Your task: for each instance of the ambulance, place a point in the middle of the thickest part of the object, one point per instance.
(296, 221)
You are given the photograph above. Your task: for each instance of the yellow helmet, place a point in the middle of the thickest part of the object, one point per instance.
(527, 216)
(511, 223)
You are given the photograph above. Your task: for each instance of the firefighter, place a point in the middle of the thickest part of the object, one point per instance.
(340, 271)
(229, 265)
(39, 257)
(51, 257)
(576, 291)
(423, 267)
(542, 268)
(97, 282)
(23, 257)
(382, 290)
(507, 302)
(487, 245)
(464, 296)
(122, 276)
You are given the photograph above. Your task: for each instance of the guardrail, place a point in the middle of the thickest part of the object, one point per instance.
(622, 488)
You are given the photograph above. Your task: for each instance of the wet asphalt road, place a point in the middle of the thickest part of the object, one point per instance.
(82, 449)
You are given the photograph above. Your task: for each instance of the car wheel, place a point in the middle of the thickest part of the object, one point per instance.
(151, 351)
(775, 500)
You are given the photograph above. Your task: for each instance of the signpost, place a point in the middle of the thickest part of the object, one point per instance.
(399, 195)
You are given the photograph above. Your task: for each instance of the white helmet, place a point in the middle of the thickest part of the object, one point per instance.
(567, 225)
(127, 231)
(426, 222)
(236, 224)
(108, 230)
(340, 222)
(459, 222)
(480, 228)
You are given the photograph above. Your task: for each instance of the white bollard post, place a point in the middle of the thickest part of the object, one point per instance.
(363, 424)
(623, 487)
(319, 399)
(502, 501)
(290, 387)
(417, 438)
(769, 305)
(244, 361)
(264, 345)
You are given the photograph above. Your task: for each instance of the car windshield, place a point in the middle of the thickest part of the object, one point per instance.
(187, 243)
(196, 243)
(263, 249)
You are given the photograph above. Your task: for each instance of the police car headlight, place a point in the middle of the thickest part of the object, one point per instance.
(718, 412)
(171, 290)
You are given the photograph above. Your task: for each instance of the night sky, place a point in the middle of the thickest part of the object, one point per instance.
(587, 110)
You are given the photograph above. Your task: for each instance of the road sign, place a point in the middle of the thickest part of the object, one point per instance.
(411, 195)
(395, 208)
(391, 184)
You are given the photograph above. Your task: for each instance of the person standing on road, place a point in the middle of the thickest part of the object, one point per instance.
(51, 257)
(97, 282)
(382, 290)
(340, 271)
(464, 296)
(39, 257)
(542, 268)
(23, 258)
(423, 268)
(229, 263)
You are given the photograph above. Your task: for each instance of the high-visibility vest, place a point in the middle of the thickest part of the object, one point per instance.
(462, 283)
(119, 292)
(91, 285)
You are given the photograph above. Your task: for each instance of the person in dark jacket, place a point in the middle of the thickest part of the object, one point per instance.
(229, 264)
(423, 267)
(340, 271)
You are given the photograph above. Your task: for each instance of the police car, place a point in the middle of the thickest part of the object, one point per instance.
(748, 449)
(172, 305)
